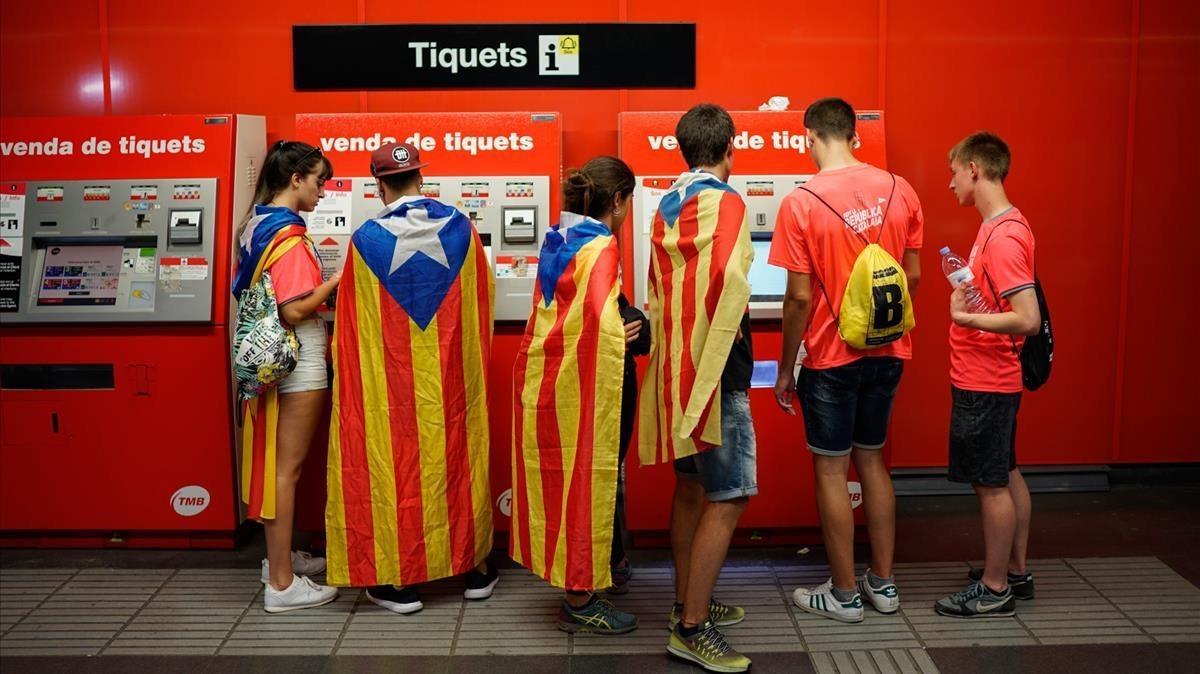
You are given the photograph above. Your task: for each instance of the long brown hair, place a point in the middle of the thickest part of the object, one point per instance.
(285, 158)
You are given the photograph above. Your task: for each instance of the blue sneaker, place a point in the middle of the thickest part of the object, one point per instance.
(598, 616)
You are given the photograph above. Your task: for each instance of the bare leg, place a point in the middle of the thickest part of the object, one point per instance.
(686, 510)
(879, 502)
(709, 547)
(577, 599)
(999, 524)
(837, 518)
(298, 416)
(1024, 508)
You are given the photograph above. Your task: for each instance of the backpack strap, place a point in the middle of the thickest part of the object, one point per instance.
(988, 277)
(856, 233)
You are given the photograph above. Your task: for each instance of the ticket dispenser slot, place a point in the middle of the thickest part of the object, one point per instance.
(519, 225)
(184, 227)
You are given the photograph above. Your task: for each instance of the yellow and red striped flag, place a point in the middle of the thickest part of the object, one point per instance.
(409, 497)
(270, 233)
(567, 410)
(698, 290)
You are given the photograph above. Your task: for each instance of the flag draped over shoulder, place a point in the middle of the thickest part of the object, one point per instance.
(409, 498)
(698, 290)
(271, 232)
(567, 410)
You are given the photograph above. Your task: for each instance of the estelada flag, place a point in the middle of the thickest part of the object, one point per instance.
(270, 233)
(698, 290)
(567, 410)
(409, 497)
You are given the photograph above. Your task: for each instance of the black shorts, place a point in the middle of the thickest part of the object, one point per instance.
(983, 437)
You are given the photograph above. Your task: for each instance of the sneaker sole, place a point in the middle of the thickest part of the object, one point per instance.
(574, 628)
(285, 609)
(617, 590)
(687, 655)
(824, 614)
(396, 607)
(483, 592)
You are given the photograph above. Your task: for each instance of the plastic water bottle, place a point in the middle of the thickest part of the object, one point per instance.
(959, 273)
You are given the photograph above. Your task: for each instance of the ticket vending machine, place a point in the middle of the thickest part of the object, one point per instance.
(770, 161)
(115, 392)
(503, 171)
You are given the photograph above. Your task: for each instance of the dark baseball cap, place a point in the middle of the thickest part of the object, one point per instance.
(395, 158)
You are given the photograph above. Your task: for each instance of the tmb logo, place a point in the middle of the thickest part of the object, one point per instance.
(191, 500)
(504, 503)
(558, 54)
(855, 489)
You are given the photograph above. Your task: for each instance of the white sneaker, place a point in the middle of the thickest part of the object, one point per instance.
(302, 593)
(821, 601)
(303, 564)
(885, 599)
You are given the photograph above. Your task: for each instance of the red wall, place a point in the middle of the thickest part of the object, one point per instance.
(1096, 97)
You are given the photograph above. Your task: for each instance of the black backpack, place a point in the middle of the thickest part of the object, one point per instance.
(1037, 354)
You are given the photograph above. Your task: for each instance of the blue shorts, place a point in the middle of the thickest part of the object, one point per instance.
(730, 470)
(849, 406)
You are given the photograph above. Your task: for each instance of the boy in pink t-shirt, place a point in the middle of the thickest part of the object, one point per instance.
(985, 376)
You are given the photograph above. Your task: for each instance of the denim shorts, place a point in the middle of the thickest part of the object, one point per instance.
(983, 437)
(730, 470)
(849, 406)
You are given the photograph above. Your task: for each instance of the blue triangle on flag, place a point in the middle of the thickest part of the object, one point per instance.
(420, 284)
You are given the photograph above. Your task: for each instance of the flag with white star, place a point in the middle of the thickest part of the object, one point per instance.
(408, 494)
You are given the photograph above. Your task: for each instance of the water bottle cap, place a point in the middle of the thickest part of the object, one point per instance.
(945, 250)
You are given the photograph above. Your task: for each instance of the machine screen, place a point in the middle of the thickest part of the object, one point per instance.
(767, 283)
(80, 275)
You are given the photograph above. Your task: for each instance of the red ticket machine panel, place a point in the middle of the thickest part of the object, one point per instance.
(115, 386)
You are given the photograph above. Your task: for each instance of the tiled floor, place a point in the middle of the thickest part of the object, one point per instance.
(112, 612)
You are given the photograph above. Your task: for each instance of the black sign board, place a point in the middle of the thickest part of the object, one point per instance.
(495, 56)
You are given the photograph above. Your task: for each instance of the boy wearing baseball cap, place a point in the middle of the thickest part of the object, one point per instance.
(409, 497)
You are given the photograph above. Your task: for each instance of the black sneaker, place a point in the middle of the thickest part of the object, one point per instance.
(621, 573)
(1021, 585)
(402, 600)
(480, 585)
(977, 601)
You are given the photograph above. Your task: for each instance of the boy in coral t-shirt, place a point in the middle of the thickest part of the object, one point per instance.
(985, 376)
(845, 394)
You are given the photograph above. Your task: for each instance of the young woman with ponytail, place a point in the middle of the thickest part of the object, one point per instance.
(279, 424)
(576, 337)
